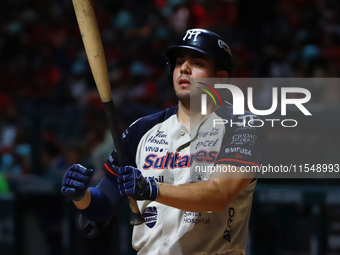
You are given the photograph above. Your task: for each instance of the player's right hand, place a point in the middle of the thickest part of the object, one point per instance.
(132, 183)
(76, 181)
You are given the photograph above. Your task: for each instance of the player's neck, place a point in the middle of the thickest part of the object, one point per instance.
(183, 115)
(190, 118)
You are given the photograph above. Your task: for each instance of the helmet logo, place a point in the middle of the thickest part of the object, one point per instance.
(224, 46)
(190, 33)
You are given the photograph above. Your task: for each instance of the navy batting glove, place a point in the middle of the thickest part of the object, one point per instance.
(132, 183)
(76, 181)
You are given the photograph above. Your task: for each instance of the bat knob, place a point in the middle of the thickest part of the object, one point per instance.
(136, 218)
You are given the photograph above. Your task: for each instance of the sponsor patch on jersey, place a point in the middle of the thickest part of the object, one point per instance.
(207, 143)
(155, 140)
(159, 179)
(203, 134)
(229, 229)
(150, 216)
(153, 149)
(161, 134)
(160, 139)
(195, 218)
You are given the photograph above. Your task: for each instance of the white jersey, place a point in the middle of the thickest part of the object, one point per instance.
(159, 146)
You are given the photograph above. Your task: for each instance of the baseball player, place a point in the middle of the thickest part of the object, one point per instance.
(185, 211)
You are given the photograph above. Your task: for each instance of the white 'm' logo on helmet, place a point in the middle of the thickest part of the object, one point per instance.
(192, 32)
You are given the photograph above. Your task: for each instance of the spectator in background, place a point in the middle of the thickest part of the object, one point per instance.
(99, 155)
(53, 161)
(3, 184)
(42, 56)
(15, 159)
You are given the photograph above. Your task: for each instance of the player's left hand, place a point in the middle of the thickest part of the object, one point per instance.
(132, 183)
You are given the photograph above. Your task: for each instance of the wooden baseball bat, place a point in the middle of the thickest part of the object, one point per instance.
(88, 26)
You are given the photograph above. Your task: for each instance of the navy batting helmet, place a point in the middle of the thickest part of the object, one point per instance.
(204, 41)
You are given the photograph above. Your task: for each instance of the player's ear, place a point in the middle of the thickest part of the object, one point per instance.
(222, 74)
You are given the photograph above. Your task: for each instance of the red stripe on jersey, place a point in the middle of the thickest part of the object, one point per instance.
(108, 169)
(241, 161)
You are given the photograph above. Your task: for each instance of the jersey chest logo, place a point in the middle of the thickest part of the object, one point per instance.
(174, 160)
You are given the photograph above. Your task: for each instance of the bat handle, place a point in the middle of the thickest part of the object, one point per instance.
(136, 218)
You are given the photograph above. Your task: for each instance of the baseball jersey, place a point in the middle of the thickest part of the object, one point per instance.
(162, 148)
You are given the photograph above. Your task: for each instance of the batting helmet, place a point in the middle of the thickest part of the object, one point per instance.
(204, 41)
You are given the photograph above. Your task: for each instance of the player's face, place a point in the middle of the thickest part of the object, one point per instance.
(191, 64)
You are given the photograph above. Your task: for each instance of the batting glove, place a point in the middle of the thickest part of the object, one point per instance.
(132, 183)
(76, 181)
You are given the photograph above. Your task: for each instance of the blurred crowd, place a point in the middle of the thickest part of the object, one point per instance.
(50, 112)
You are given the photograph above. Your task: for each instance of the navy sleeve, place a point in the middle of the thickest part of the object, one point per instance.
(105, 203)
(110, 168)
(131, 138)
(242, 144)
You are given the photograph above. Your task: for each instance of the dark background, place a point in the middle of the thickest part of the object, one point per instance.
(51, 116)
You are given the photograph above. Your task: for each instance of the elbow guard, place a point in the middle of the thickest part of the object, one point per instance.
(105, 202)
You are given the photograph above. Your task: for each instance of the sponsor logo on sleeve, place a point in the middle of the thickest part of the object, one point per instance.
(244, 128)
(238, 150)
(249, 139)
(125, 134)
(207, 143)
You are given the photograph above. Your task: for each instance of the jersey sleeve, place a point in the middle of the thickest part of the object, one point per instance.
(131, 138)
(111, 165)
(242, 144)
